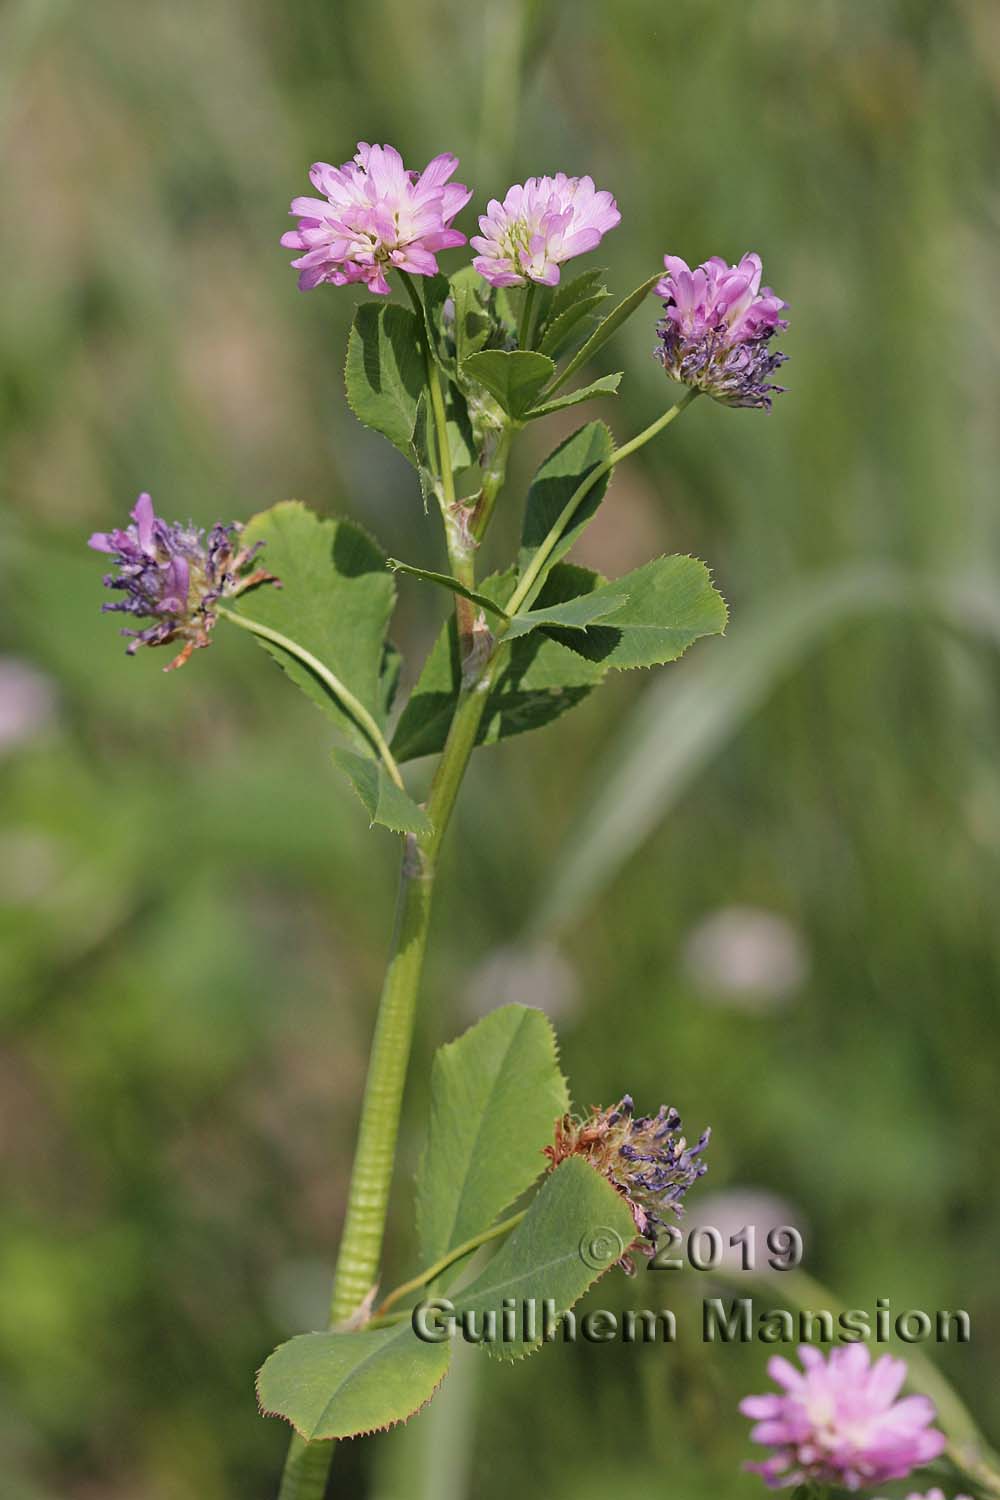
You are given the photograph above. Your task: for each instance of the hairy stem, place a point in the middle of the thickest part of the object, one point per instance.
(526, 325)
(494, 475)
(329, 679)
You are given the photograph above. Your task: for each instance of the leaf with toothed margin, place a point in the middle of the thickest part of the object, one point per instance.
(577, 1228)
(382, 799)
(540, 678)
(569, 314)
(335, 600)
(553, 487)
(610, 326)
(384, 373)
(670, 604)
(606, 386)
(513, 377)
(446, 581)
(496, 1093)
(339, 1385)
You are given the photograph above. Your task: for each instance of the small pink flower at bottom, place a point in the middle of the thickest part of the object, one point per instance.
(375, 215)
(838, 1421)
(540, 224)
(935, 1494)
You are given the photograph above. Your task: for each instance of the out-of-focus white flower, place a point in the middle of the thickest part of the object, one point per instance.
(746, 957)
(27, 702)
(730, 1211)
(538, 975)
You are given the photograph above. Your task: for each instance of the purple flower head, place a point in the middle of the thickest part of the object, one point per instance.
(718, 325)
(838, 1421)
(644, 1157)
(540, 224)
(375, 215)
(174, 576)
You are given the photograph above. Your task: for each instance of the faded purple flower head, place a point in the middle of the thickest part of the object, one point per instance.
(375, 215)
(644, 1157)
(540, 224)
(174, 576)
(719, 322)
(838, 1421)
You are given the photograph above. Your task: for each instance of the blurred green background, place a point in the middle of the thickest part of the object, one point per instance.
(779, 915)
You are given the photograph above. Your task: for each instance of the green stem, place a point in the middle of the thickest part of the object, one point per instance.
(329, 679)
(308, 1464)
(494, 476)
(440, 1266)
(460, 555)
(524, 330)
(534, 574)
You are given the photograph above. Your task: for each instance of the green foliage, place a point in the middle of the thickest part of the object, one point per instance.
(568, 313)
(470, 295)
(337, 1385)
(610, 326)
(553, 487)
(384, 374)
(335, 600)
(513, 377)
(540, 680)
(669, 604)
(577, 1227)
(383, 800)
(453, 585)
(607, 385)
(496, 1093)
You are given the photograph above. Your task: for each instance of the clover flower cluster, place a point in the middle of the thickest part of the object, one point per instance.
(645, 1158)
(717, 328)
(540, 224)
(174, 576)
(837, 1421)
(377, 215)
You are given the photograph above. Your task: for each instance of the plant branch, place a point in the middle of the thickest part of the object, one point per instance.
(534, 575)
(440, 1266)
(329, 679)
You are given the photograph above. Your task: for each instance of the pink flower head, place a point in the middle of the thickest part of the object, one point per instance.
(717, 326)
(375, 215)
(935, 1494)
(838, 1421)
(539, 225)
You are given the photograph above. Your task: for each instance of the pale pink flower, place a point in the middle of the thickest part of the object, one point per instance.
(935, 1494)
(838, 1421)
(375, 215)
(540, 224)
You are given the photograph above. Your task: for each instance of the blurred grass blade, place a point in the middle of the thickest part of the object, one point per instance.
(679, 724)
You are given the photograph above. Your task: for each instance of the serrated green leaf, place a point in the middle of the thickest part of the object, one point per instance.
(446, 581)
(339, 1385)
(569, 293)
(335, 601)
(472, 319)
(607, 385)
(496, 1093)
(576, 1229)
(383, 800)
(671, 603)
(608, 327)
(540, 680)
(553, 487)
(513, 377)
(385, 373)
(569, 310)
(574, 614)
